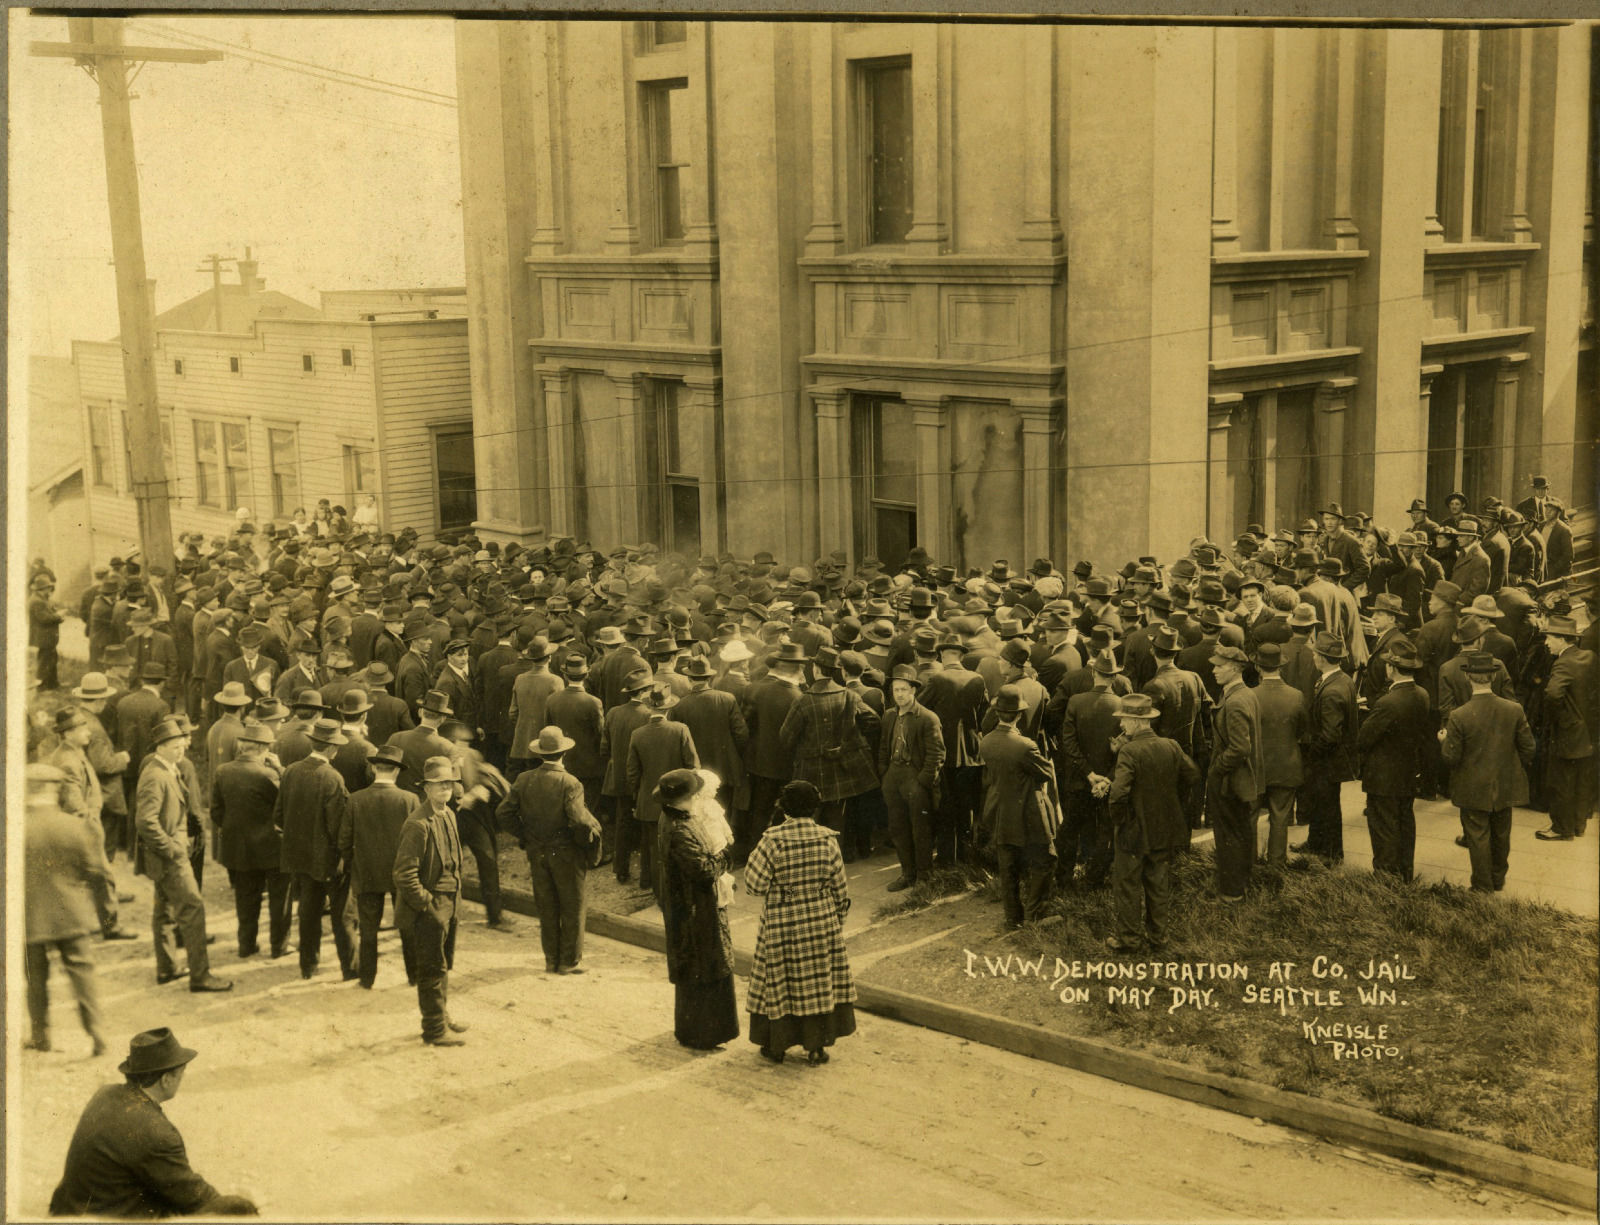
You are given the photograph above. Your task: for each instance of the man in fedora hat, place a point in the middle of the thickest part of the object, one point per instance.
(910, 752)
(658, 746)
(138, 712)
(1393, 746)
(546, 810)
(420, 743)
(1021, 813)
(1386, 616)
(717, 727)
(369, 840)
(145, 644)
(126, 1159)
(1569, 731)
(457, 681)
(1338, 543)
(63, 866)
(531, 691)
(581, 718)
(310, 810)
(92, 695)
(254, 669)
(1237, 774)
(1151, 779)
(388, 714)
(1088, 727)
(617, 729)
(350, 758)
(1329, 750)
(1488, 746)
(231, 702)
(163, 818)
(617, 661)
(427, 881)
(495, 685)
(244, 793)
(307, 672)
(412, 675)
(44, 628)
(766, 705)
(1472, 567)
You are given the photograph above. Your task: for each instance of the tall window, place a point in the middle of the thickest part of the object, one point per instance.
(675, 458)
(360, 473)
(659, 34)
(1462, 455)
(456, 477)
(100, 445)
(883, 90)
(1272, 470)
(221, 463)
(884, 464)
(283, 462)
(667, 150)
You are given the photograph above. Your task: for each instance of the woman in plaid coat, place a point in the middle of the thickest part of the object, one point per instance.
(801, 992)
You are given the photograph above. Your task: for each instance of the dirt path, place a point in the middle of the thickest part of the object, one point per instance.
(571, 1100)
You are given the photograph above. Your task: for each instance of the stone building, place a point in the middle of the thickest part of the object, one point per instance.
(1010, 290)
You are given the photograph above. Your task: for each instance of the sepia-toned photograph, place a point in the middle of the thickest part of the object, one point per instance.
(774, 617)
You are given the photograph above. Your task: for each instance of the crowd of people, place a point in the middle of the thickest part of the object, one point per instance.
(365, 710)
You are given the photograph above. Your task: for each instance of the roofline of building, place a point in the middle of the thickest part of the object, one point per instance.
(263, 326)
(59, 476)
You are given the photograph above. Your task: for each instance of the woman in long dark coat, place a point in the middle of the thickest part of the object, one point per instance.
(801, 992)
(695, 843)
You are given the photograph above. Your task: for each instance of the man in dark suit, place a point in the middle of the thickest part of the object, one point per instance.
(1488, 746)
(655, 748)
(1570, 719)
(420, 743)
(617, 729)
(126, 1159)
(958, 698)
(494, 691)
(244, 792)
(457, 682)
(1237, 777)
(137, 715)
(1181, 702)
(146, 644)
(1435, 646)
(1393, 743)
(1022, 814)
(427, 882)
(221, 649)
(1557, 545)
(1387, 611)
(910, 752)
(718, 729)
(388, 714)
(1472, 569)
(1538, 503)
(545, 808)
(1336, 542)
(1087, 760)
(1283, 725)
(581, 718)
(766, 705)
(310, 810)
(1329, 749)
(351, 757)
(412, 675)
(307, 672)
(1152, 777)
(368, 841)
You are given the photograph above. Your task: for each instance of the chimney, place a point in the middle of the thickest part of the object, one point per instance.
(150, 295)
(247, 274)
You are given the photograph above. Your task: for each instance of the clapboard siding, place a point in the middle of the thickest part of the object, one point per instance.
(424, 382)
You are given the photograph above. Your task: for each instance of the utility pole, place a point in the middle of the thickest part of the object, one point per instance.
(96, 44)
(216, 261)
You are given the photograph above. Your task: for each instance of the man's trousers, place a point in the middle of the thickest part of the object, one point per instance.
(434, 939)
(1025, 876)
(1280, 815)
(1233, 822)
(77, 961)
(559, 886)
(1141, 883)
(312, 894)
(1392, 825)
(910, 820)
(1084, 837)
(369, 917)
(477, 835)
(1488, 837)
(177, 904)
(248, 888)
(1570, 792)
(1319, 800)
(960, 803)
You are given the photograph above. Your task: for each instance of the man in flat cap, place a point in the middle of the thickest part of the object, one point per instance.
(126, 1159)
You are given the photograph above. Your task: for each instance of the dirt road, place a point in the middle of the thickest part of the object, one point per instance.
(571, 1100)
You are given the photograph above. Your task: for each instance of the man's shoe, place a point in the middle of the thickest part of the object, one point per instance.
(1461, 840)
(900, 883)
(502, 924)
(1305, 848)
(349, 974)
(249, 952)
(211, 983)
(550, 967)
(457, 1027)
(446, 1039)
(119, 933)
(1233, 899)
(124, 898)
(1116, 945)
(37, 1043)
(163, 979)
(1550, 835)
(571, 970)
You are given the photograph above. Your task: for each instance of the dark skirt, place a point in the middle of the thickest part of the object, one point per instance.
(813, 1032)
(706, 1014)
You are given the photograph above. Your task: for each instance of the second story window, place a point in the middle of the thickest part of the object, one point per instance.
(177, 365)
(666, 148)
(233, 365)
(883, 140)
(308, 363)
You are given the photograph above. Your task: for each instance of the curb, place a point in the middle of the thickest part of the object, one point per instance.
(1478, 1159)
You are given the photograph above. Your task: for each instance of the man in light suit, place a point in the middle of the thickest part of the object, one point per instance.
(1237, 775)
(1021, 814)
(162, 818)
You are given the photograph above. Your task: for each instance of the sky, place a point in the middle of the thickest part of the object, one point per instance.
(331, 185)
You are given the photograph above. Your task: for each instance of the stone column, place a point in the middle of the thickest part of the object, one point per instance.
(1225, 141)
(933, 471)
(632, 487)
(699, 186)
(1219, 483)
(1418, 477)
(702, 413)
(1332, 398)
(932, 100)
(1038, 443)
(828, 145)
(1041, 225)
(566, 514)
(1507, 404)
(615, 81)
(1514, 130)
(549, 122)
(1339, 134)
(835, 489)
